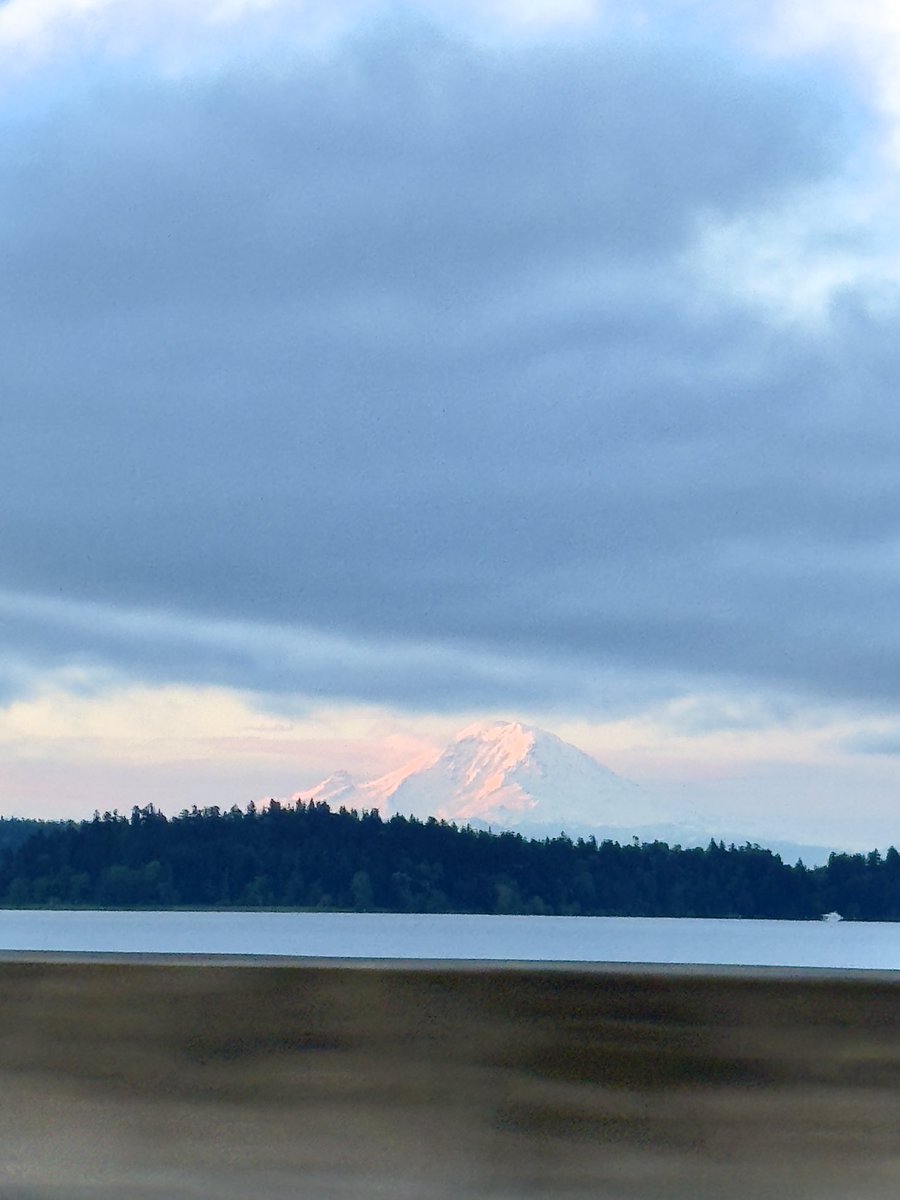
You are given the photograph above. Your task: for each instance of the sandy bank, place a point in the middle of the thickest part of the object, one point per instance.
(140, 1079)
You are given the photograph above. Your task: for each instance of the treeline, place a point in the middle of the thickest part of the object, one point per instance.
(309, 856)
(16, 830)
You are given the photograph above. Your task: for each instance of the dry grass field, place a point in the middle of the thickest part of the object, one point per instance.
(137, 1080)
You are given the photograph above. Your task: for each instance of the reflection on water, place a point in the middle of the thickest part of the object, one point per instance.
(145, 1081)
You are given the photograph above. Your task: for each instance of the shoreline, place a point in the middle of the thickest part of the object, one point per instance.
(698, 970)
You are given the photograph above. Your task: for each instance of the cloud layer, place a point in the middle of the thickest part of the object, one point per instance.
(451, 358)
(402, 342)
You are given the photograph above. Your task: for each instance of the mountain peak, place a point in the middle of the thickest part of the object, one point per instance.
(491, 747)
(506, 774)
(493, 731)
(337, 789)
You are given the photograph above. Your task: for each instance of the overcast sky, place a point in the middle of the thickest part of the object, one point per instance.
(368, 367)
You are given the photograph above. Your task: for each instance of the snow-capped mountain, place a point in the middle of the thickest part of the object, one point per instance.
(336, 791)
(512, 776)
(505, 775)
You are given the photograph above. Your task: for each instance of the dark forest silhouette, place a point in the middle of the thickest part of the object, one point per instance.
(309, 856)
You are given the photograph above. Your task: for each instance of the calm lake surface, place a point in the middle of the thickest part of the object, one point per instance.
(843, 945)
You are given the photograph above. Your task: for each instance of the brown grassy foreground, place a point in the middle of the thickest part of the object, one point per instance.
(186, 1082)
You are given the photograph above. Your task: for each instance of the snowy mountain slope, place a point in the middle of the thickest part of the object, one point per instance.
(506, 775)
(509, 776)
(338, 790)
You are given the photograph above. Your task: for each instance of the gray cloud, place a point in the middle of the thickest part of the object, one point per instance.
(398, 346)
(293, 664)
(882, 745)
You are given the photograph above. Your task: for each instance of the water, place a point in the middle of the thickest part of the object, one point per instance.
(842, 945)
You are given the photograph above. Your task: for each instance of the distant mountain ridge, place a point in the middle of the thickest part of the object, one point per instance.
(506, 775)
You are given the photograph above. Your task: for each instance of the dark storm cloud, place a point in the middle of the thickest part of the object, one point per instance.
(396, 346)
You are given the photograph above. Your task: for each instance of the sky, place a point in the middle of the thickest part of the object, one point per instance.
(368, 368)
